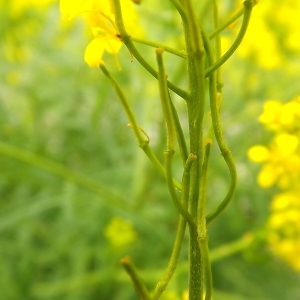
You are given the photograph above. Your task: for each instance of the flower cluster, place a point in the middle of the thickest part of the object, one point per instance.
(100, 17)
(284, 227)
(281, 158)
(263, 30)
(281, 167)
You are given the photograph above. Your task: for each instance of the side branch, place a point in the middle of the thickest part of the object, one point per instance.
(218, 131)
(247, 14)
(137, 281)
(143, 143)
(125, 37)
(171, 134)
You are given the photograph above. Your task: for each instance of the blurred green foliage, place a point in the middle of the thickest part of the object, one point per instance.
(52, 227)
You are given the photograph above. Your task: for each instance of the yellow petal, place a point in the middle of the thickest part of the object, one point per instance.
(288, 112)
(112, 45)
(267, 176)
(99, 15)
(70, 8)
(94, 52)
(277, 220)
(286, 143)
(284, 200)
(258, 153)
(272, 110)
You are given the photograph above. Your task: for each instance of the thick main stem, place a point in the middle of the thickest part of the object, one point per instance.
(196, 107)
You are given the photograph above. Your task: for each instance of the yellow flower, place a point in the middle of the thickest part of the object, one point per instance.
(259, 153)
(284, 227)
(263, 41)
(286, 16)
(281, 158)
(95, 49)
(267, 176)
(281, 163)
(277, 115)
(99, 15)
(271, 114)
(282, 166)
(284, 200)
(69, 9)
(289, 112)
(120, 232)
(260, 41)
(286, 144)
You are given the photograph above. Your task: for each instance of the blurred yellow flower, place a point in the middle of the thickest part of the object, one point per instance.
(282, 157)
(258, 153)
(120, 232)
(289, 112)
(287, 17)
(273, 33)
(284, 227)
(284, 200)
(277, 115)
(286, 144)
(99, 15)
(260, 43)
(271, 114)
(268, 175)
(281, 165)
(95, 49)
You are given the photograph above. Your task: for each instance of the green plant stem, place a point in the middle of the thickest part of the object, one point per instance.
(162, 284)
(230, 21)
(218, 131)
(196, 281)
(218, 52)
(248, 4)
(179, 134)
(180, 9)
(169, 159)
(202, 230)
(165, 101)
(201, 209)
(196, 108)
(159, 45)
(226, 24)
(137, 281)
(186, 179)
(203, 242)
(125, 37)
(144, 144)
(171, 134)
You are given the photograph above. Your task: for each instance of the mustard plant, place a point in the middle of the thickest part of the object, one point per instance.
(113, 23)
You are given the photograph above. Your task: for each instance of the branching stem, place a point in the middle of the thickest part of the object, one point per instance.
(125, 37)
(247, 14)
